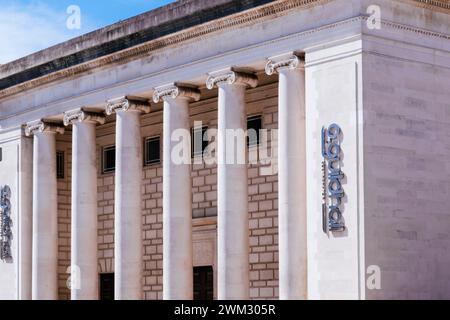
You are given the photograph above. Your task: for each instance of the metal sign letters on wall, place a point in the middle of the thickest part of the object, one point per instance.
(333, 191)
(5, 223)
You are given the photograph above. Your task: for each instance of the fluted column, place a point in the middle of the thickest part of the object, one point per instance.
(177, 192)
(128, 208)
(84, 262)
(291, 175)
(45, 210)
(232, 187)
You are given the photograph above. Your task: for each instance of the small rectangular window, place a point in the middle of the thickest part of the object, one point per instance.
(107, 286)
(1, 154)
(199, 141)
(109, 159)
(60, 164)
(152, 150)
(254, 126)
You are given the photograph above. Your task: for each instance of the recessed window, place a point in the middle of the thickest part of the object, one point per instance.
(109, 159)
(199, 141)
(203, 283)
(254, 126)
(1, 154)
(60, 164)
(107, 286)
(152, 150)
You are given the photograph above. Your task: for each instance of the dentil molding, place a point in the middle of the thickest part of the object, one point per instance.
(235, 21)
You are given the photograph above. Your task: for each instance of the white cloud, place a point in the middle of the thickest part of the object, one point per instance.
(25, 29)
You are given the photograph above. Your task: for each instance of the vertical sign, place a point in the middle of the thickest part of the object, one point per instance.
(332, 179)
(5, 223)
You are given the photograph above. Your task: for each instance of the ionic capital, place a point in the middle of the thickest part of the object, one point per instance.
(79, 115)
(230, 76)
(281, 62)
(42, 126)
(174, 91)
(127, 104)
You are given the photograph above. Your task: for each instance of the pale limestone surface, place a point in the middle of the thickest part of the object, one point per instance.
(177, 202)
(387, 89)
(84, 224)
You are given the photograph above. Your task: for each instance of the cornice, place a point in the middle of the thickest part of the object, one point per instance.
(441, 5)
(404, 27)
(230, 22)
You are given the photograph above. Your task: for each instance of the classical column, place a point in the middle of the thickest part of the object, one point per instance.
(291, 175)
(25, 219)
(232, 184)
(84, 282)
(128, 208)
(177, 192)
(45, 210)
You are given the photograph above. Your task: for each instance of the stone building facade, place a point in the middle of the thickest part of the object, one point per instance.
(91, 194)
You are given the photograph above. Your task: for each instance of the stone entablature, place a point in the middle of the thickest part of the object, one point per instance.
(18, 80)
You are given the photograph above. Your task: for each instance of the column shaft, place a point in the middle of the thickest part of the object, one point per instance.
(233, 241)
(25, 237)
(177, 191)
(45, 213)
(128, 212)
(291, 178)
(84, 212)
(177, 206)
(232, 185)
(128, 247)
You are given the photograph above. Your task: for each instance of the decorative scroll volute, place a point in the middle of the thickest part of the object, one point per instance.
(288, 61)
(231, 76)
(80, 115)
(127, 103)
(174, 91)
(41, 126)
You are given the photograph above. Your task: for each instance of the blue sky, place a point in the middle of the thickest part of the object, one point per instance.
(27, 26)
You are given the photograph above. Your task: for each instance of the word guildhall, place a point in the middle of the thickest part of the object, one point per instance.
(333, 191)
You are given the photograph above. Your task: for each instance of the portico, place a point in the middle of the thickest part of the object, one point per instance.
(233, 270)
(123, 196)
